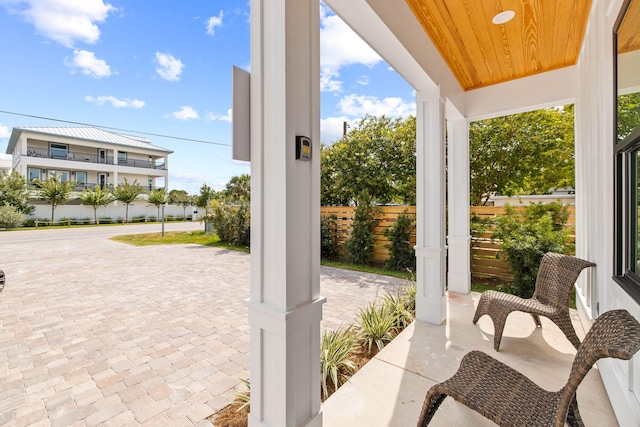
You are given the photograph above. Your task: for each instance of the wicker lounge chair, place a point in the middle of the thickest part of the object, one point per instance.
(508, 398)
(556, 276)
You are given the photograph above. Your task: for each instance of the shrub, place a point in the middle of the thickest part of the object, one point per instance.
(527, 236)
(402, 305)
(402, 256)
(362, 240)
(105, 220)
(377, 326)
(10, 217)
(336, 363)
(232, 223)
(328, 238)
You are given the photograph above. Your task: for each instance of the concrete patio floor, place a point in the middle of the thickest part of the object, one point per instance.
(97, 332)
(389, 390)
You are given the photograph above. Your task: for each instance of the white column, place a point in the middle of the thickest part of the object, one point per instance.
(285, 306)
(459, 238)
(430, 207)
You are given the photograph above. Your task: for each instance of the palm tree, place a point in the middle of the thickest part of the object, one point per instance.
(126, 193)
(96, 198)
(158, 197)
(54, 192)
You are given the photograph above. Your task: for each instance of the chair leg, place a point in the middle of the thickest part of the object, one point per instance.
(573, 415)
(536, 319)
(499, 320)
(483, 307)
(432, 402)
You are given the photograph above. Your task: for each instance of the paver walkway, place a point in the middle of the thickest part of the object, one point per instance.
(96, 332)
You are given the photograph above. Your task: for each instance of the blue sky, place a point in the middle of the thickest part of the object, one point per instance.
(165, 68)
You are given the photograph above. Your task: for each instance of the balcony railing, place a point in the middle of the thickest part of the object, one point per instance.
(90, 158)
(110, 187)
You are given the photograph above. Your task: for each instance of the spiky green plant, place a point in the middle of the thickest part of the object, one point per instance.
(377, 326)
(396, 304)
(336, 363)
(243, 398)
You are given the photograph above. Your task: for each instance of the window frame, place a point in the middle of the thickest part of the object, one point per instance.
(626, 190)
(58, 148)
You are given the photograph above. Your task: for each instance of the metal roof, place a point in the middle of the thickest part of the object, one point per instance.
(86, 134)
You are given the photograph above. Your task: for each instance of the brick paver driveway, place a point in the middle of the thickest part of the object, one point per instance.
(96, 332)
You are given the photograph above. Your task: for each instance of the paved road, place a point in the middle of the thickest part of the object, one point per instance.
(97, 332)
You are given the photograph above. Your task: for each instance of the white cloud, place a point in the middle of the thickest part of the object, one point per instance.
(115, 102)
(88, 64)
(225, 118)
(332, 128)
(186, 113)
(214, 22)
(169, 67)
(4, 132)
(65, 21)
(360, 105)
(340, 47)
(363, 80)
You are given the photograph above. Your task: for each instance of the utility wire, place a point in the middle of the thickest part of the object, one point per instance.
(113, 128)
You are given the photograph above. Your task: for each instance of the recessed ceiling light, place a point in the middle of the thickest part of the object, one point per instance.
(503, 17)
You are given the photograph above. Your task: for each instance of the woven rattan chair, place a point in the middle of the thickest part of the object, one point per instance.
(556, 277)
(508, 398)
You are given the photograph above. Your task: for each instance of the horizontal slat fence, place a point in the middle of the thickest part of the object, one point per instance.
(387, 216)
(484, 250)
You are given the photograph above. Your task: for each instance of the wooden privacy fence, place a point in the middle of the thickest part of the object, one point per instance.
(387, 216)
(484, 249)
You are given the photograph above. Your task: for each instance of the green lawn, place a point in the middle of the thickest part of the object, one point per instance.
(200, 238)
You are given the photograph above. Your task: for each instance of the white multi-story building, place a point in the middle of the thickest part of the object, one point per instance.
(89, 156)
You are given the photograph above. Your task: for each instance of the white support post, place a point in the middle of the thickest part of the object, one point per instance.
(431, 251)
(285, 306)
(459, 238)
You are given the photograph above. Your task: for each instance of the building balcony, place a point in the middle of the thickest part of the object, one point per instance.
(91, 158)
(390, 389)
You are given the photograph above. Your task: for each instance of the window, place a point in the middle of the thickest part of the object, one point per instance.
(81, 177)
(58, 151)
(122, 157)
(150, 182)
(33, 174)
(61, 175)
(627, 155)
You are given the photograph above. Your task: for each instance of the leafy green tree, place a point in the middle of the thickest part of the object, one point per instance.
(377, 157)
(126, 193)
(628, 113)
(95, 198)
(207, 194)
(14, 192)
(10, 217)
(158, 197)
(181, 198)
(526, 153)
(362, 240)
(54, 191)
(238, 189)
(401, 254)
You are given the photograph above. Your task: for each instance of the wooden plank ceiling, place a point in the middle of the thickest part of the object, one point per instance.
(544, 35)
(629, 33)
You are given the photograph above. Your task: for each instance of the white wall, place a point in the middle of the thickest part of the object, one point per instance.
(114, 211)
(597, 292)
